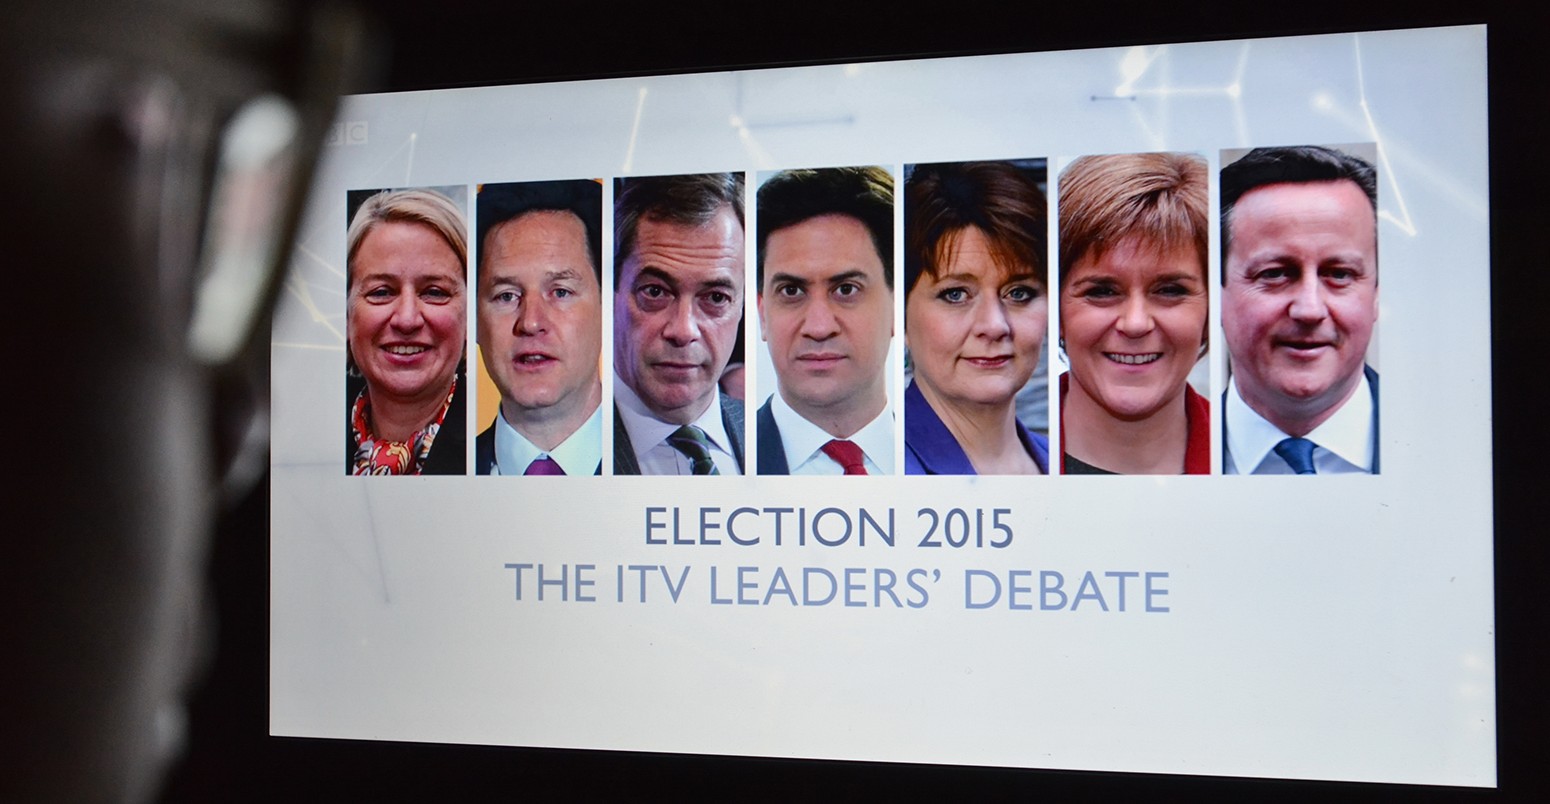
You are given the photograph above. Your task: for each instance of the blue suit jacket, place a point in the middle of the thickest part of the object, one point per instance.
(931, 449)
(772, 450)
(1372, 382)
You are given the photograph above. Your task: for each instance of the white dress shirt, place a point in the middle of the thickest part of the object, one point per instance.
(648, 436)
(804, 442)
(1343, 443)
(578, 454)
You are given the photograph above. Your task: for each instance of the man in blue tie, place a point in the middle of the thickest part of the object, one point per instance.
(678, 300)
(1299, 304)
(540, 321)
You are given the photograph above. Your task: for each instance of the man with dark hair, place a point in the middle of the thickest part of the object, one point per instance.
(1299, 303)
(825, 272)
(540, 325)
(678, 281)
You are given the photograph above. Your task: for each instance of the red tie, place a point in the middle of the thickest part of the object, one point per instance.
(848, 455)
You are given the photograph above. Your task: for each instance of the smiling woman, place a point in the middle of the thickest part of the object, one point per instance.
(405, 319)
(1133, 310)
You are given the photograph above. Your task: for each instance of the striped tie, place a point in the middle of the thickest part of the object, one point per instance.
(693, 443)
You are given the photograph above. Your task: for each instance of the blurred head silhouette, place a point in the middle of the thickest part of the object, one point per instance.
(159, 178)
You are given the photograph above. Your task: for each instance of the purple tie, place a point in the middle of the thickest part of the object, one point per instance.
(544, 466)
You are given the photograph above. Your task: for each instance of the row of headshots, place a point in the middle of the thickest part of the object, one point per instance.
(1298, 246)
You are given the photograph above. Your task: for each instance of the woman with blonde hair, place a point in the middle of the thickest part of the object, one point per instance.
(405, 321)
(1133, 313)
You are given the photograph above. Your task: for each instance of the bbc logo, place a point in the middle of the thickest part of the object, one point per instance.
(350, 133)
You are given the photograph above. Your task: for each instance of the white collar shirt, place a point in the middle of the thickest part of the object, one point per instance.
(578, 454)
(1343, 443)
(803, 442)
(648, 436)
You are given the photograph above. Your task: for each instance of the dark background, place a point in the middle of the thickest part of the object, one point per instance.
(421, 45)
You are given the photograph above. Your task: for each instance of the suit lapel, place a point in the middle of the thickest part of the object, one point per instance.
(624, 452)
(772, 450)
(1372, 382)
(732, 419)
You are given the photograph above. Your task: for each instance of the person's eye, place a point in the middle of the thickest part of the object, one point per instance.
(505, 297)
(1101, 292)
(380, 294)
(652, 298)
(1172, 290)
(563, 293)
(716, 303)
(789, 291)
(847, 290)
(953, 295)
(1339, 275)
(436, 294)
(1277, 275)
(1022, 294)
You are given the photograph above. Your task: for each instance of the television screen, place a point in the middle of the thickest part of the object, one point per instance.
(665, 365)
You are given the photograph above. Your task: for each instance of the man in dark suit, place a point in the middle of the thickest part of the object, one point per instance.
(1299, 304)
(825, 272)
(540, 322)
(678, 299)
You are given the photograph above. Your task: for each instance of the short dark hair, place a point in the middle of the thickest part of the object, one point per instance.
(864, 193)
(998, 198)
(689, 200)
(1291, 165)
(500, 203)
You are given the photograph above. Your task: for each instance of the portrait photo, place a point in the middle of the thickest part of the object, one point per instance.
(1300, 310)
(824, 273)
(976, 313)
(539, 309)
(679, 276)
(406, 314)
(1133, 319)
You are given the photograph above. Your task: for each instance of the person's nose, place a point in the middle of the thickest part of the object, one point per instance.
(1135, 317)
(819, 322)
(1308, 305)
(408, 314)
(990, 318)
(682, 326)
(532, 316)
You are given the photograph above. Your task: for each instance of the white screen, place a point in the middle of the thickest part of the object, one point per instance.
(1319, 628)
